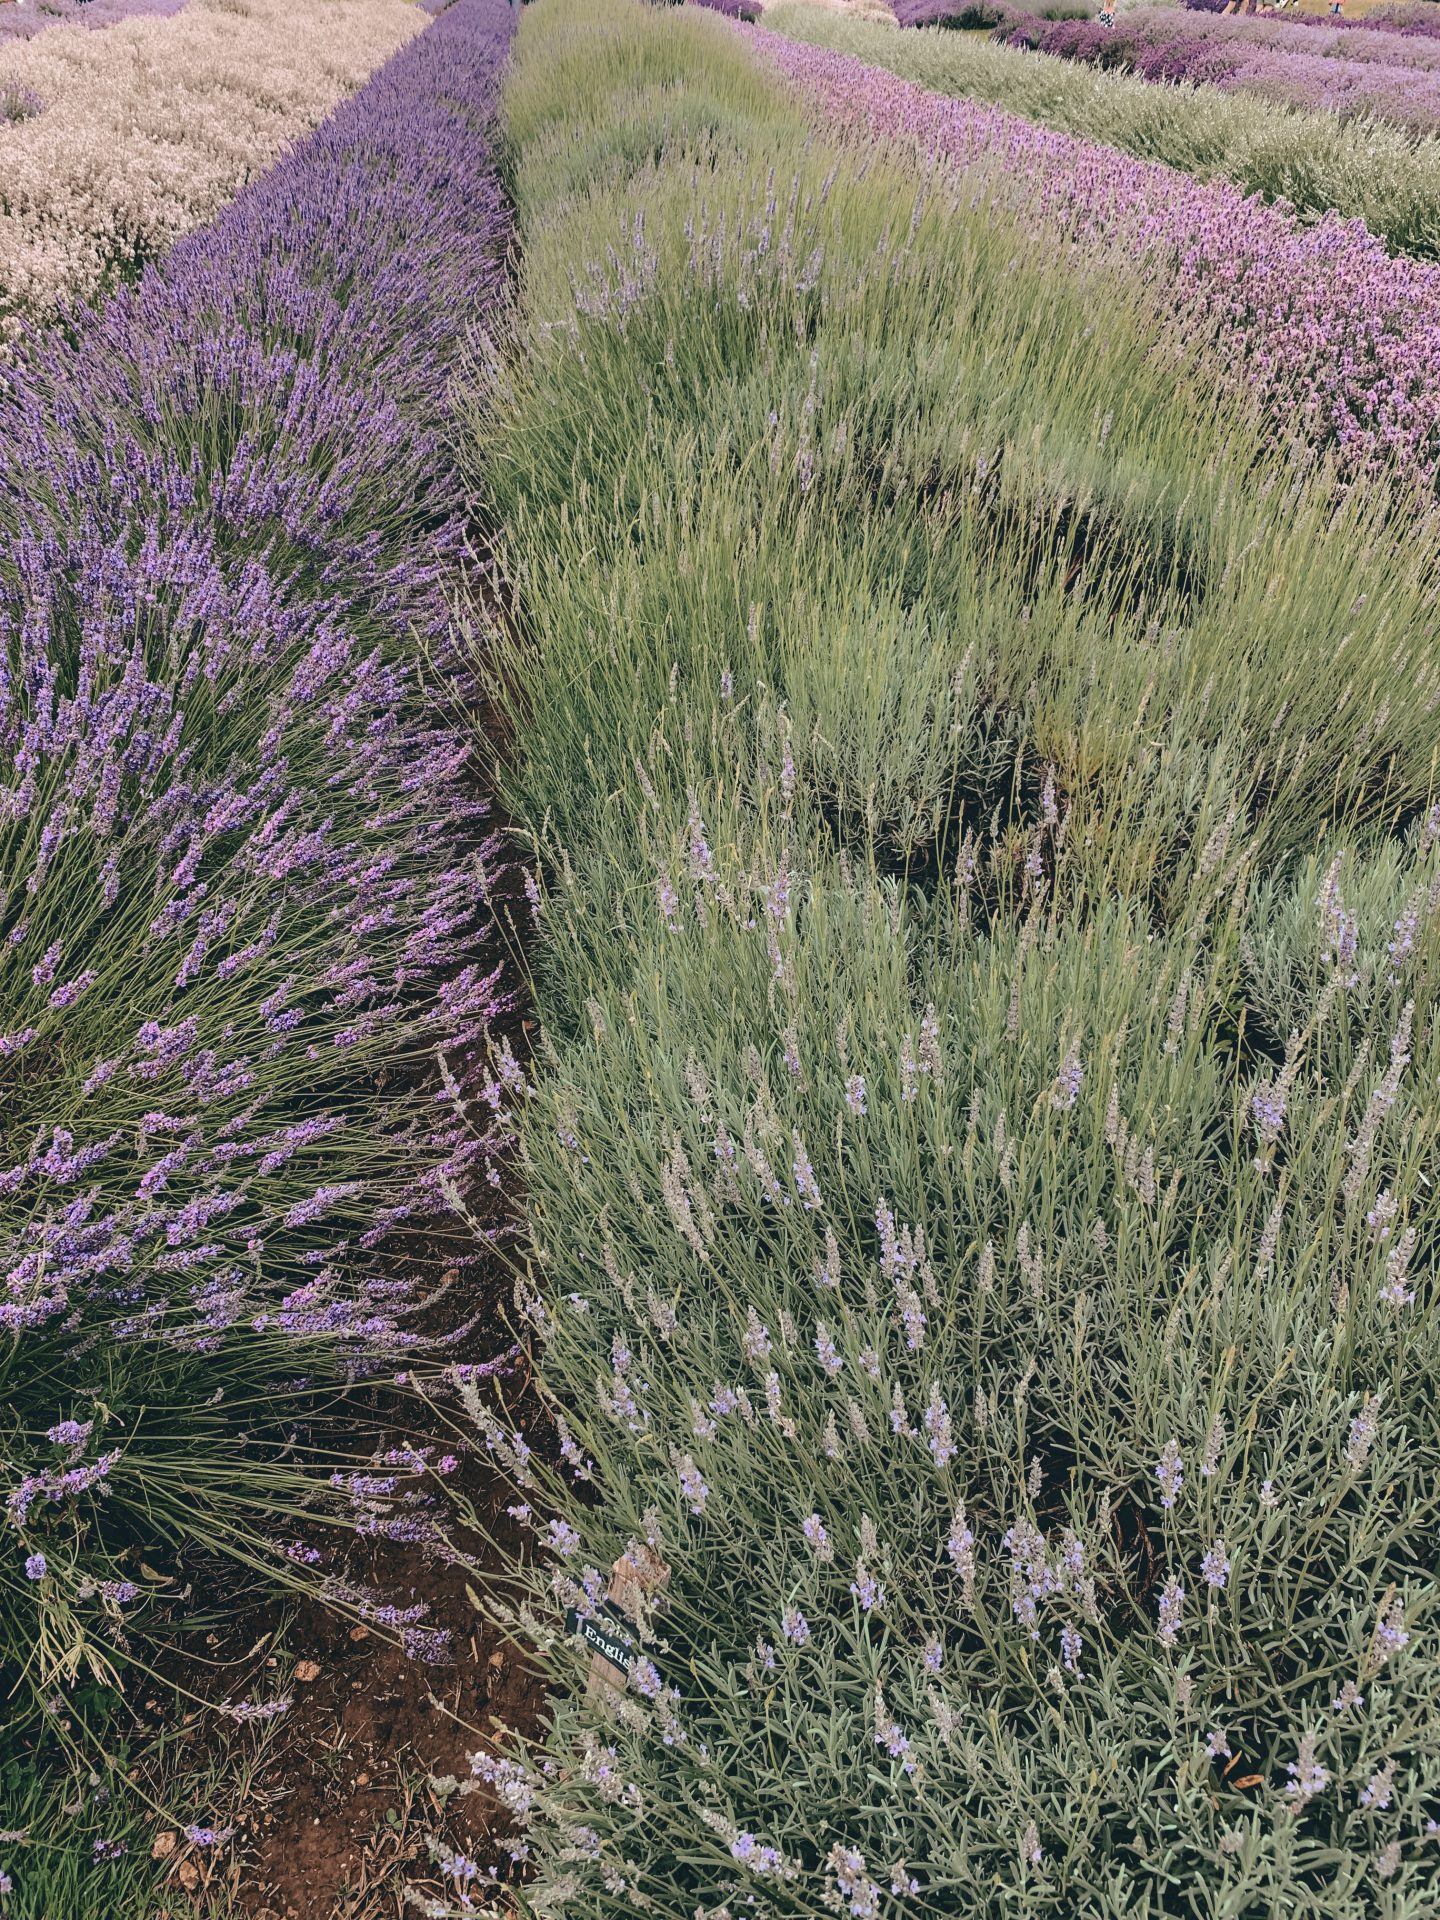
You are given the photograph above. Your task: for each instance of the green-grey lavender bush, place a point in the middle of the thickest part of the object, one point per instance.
(976, 1154)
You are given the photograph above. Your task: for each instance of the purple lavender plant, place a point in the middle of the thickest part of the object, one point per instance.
(247, 876)
(962, 14)
(18, 103)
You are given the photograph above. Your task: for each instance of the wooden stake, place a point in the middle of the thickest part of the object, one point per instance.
(636, 1577)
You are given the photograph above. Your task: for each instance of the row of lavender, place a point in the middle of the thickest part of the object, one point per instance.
(1387, 34)
(1274, 61)
(1419, 19)
(22, 21)
(1338, 337)
(976, 1368)
(1315, 36)
(244, 929)
(115, 145)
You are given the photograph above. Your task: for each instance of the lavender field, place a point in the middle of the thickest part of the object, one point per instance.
(720, 963)
(1357, 74)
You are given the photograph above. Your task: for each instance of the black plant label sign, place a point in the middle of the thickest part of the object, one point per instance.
(607, 1632)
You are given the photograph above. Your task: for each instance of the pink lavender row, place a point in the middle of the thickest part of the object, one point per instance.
(1162, 45)
(1420, 21)
(1377, 37)
(247, 876)
(23, 19)
(1339, 337)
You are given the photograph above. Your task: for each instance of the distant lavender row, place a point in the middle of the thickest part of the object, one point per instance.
(948, 13)
(1316, 36)
(733, 9)
(1341, 338)
(1161, 45)
(247, 878)
(25, 18)
(1377, 37)
(120, 143)
(1391, 35)
(1418, 21)
(971, 15)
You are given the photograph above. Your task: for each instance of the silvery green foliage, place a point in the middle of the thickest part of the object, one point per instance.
(977, 1159)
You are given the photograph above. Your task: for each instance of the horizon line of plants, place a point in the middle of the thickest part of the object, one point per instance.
(1409, 19)
(1380, 38)
(987, 957)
